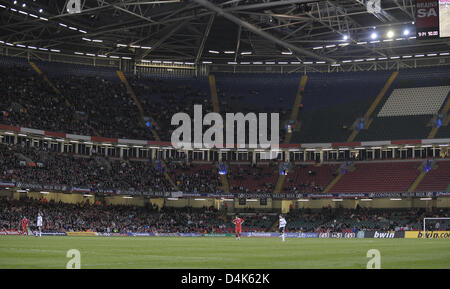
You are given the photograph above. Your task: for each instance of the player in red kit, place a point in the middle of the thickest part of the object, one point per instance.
(25, 225)
(238, 227)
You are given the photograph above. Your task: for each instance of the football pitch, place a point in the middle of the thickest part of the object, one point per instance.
(220, 252)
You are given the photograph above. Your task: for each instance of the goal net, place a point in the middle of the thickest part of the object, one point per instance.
(436, 228)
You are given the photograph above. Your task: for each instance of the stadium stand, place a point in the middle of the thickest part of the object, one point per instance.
(353, 220)
(333, 101)
(437, 179)
(309, 178)
(62, 217)
(379, 177)
(251, 178)
(195, 178)
(35, 166)
(425, 90)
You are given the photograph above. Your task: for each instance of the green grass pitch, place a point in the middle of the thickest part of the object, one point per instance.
(220, 252)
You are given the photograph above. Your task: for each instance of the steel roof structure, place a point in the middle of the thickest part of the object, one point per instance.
(220, 32)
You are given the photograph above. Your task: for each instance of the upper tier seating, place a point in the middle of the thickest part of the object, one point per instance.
(410, 101)
(162, 98)
(406, 113)
(333, 101)
(101, 105)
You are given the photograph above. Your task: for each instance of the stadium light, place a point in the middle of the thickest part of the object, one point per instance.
(406, 32)
(374, 35)
(345, 37)
(390, 34)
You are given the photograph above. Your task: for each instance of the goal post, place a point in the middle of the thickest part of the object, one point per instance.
(425, 223)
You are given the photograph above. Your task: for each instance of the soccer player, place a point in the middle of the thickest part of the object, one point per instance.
(282, 226)
(238, 226)
(25, 225)
(39, 225)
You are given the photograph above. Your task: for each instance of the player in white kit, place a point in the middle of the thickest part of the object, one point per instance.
(282, 226)
(39, 225)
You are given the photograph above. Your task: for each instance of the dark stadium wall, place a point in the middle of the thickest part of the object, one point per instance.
(189, 202)
(120, 200)
(58, 197)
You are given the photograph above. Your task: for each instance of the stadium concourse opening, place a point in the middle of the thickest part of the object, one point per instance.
(90, 103)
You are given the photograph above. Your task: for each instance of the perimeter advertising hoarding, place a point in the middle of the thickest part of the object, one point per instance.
(337, 235)
(428, 235)
(384, 234)
(275, 234)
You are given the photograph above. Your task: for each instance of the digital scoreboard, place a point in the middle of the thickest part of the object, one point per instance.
(432, 19)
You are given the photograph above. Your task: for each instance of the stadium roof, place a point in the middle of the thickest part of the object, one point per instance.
(219, 31)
